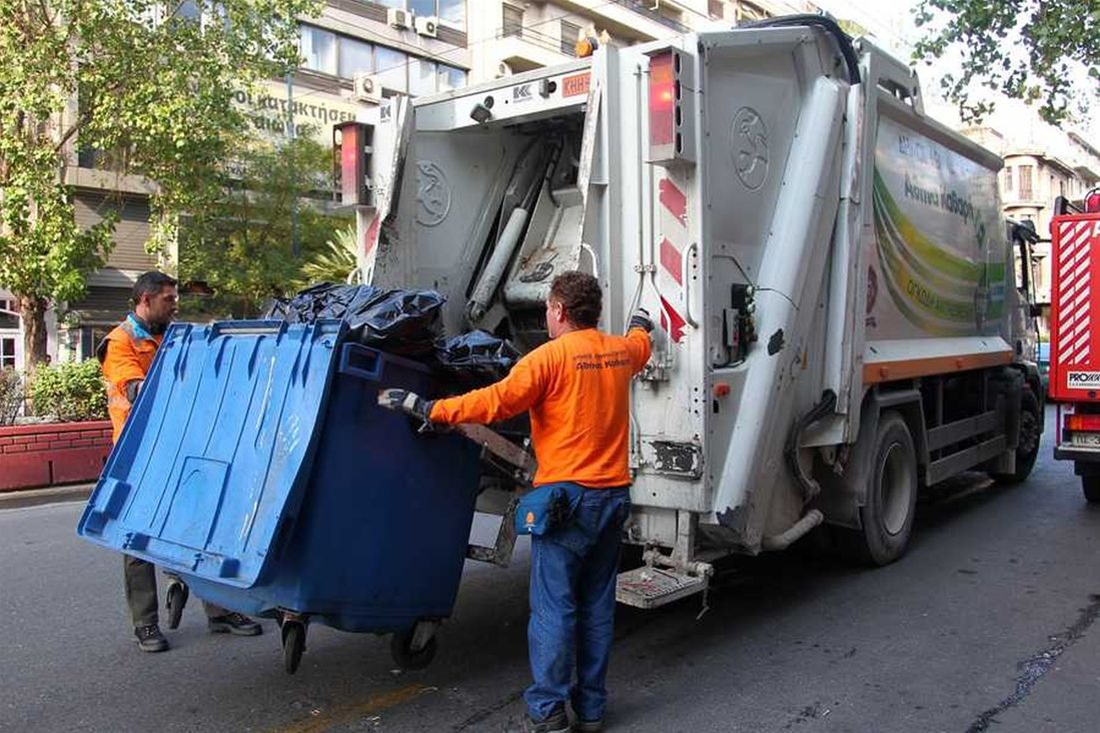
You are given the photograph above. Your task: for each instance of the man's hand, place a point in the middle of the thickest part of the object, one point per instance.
(640, 319)
(407, 402)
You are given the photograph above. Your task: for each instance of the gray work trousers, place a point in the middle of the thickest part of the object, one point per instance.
(140, 579)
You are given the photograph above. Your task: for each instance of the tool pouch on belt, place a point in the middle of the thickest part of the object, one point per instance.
(547, 508)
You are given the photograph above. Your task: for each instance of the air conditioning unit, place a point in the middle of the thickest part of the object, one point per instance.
(503, 69)
(399, 18)
(427, 25)
(367, 88)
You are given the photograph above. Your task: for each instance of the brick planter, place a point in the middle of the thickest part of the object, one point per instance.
(52, 453)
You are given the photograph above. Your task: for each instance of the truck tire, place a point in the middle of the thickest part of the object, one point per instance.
(1027, 449)
(1091, 486)
(887, 513)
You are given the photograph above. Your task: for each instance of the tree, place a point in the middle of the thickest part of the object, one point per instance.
(151, 83)
(335, 262)
(242, 245)
(1032, 50)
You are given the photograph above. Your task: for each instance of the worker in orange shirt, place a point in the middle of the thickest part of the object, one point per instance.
(125, 356)
(577, 390)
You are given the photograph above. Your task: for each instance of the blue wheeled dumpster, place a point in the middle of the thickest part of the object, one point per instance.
(259, 467)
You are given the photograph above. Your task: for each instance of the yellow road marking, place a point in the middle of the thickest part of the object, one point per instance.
(345, 713)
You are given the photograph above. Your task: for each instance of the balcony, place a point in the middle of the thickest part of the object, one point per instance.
(524, 49)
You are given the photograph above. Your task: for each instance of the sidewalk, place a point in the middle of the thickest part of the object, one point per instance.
(50, 495)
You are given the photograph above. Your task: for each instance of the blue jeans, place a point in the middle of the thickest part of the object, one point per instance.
(573, 573)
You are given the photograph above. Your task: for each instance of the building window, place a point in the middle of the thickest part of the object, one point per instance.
(390, 66)
(569, 34)
(451, 78)
(189, 10)
(355, 57)
(513, 21)
(318, 48)
(452, 12)
(7, 352)
(345, 57)
(1025, 182)
(746, 11)
(422, 77)
(1008, 178)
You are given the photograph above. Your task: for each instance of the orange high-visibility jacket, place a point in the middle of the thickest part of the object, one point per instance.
(125, 356)
(577, 388)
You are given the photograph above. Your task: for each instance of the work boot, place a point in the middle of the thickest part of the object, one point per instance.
(558, 722)
(234, 623)
(587, 726)
(149, 639)
(175, 600)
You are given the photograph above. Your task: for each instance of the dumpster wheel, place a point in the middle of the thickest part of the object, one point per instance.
(174, 601)
(294, 643)
(404, 655)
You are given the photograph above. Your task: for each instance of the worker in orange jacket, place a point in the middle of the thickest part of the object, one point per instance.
(125, 356)
(576, 388)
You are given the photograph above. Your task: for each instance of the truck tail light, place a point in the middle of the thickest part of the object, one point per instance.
(352, 149)
(1083, 423)
(663, 92)
(1092, 201)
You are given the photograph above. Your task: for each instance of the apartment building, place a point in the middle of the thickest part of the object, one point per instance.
(416, 46)
(1040, 166)
(353, 54)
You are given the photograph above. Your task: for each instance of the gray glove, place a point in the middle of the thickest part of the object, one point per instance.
(407, 402)
(640, 319)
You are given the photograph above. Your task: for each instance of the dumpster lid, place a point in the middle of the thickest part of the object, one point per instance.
(209, 470)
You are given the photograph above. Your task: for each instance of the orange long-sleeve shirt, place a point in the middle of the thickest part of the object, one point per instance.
(125, 356)
(577, 389)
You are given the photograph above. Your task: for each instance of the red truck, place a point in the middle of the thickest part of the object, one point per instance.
(1075, 338)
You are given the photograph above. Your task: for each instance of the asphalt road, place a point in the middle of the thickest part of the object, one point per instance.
(989, 623)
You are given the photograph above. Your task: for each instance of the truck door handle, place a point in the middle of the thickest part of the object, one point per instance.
(685, 265)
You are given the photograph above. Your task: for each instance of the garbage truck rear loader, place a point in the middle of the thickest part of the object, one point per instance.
(840, 324)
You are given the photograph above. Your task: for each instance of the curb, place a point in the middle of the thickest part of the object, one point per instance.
(49, 495)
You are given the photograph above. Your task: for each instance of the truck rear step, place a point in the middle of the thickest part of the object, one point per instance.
(650, 587)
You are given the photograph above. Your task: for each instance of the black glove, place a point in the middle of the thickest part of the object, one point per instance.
(640, 319)
(407, 402)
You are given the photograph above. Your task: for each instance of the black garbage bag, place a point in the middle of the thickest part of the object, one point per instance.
(477, 357)
(405, 322)
(323, 300)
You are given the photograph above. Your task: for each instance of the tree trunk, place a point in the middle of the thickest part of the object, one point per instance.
(33, 312)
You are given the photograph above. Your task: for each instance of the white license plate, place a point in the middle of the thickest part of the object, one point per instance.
(1086, 440)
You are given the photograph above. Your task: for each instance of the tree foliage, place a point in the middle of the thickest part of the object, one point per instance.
(149, 82)
(1032, 50)
(334, 262)
(242, 245)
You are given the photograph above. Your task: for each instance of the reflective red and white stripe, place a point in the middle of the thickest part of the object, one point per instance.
(1074, 291)
(673, 238)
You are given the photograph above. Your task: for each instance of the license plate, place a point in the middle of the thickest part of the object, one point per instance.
(1085, 440)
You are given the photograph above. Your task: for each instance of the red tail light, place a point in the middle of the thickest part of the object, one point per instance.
(1083, 423)
(1092, 201)
(662, 100)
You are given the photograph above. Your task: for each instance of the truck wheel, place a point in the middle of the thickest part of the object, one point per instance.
(1091, 487)
(891, 502)
(1027, 449)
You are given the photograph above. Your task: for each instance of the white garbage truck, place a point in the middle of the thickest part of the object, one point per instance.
(843, 312)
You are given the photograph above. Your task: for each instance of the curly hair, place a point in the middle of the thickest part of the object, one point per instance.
(580, 296)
